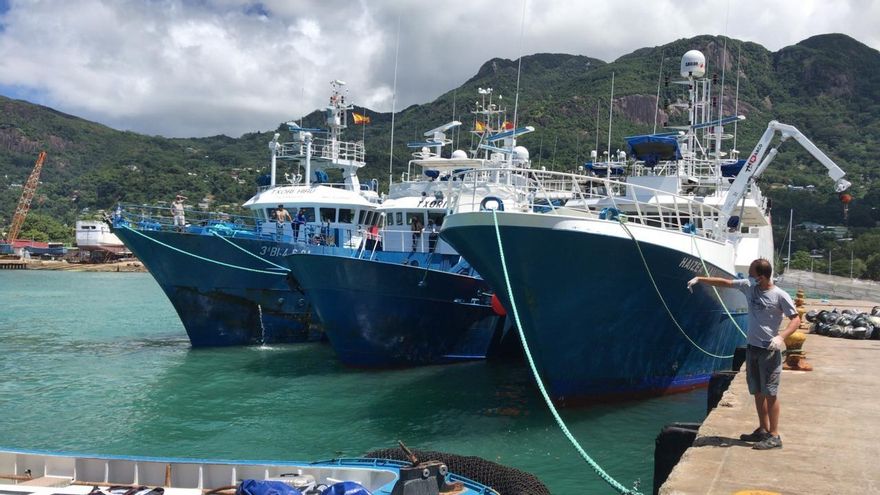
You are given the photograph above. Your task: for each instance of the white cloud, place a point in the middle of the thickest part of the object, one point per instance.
(181, 68)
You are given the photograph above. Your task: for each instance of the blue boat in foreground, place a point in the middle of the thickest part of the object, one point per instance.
(28, 472)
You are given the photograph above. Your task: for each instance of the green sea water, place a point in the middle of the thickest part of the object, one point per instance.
(99, 363)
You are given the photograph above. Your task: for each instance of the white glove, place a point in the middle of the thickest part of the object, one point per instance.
(692, 282)
(777, 344)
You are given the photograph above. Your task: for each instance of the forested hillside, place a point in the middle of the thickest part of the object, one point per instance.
(828, 86)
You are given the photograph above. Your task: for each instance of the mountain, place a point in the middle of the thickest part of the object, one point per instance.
(828, 86)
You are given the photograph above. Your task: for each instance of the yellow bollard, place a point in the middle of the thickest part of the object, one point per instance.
(795, 358)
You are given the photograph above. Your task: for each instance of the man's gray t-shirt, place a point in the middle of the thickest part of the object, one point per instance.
(766, 309)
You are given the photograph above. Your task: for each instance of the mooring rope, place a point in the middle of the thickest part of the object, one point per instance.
(181, 251)
(662, 299)
(593, 464)
(236, 246)
(706, 269)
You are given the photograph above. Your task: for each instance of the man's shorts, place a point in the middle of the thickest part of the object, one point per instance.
(763, 368)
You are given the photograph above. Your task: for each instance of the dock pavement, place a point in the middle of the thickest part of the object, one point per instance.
(829, 424)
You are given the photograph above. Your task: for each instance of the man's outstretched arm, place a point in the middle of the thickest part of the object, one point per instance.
(715, 281)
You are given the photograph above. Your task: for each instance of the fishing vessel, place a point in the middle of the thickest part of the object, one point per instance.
(222, 272)
(95, 240)
(595, 270)
(25, 472)
(428, 306)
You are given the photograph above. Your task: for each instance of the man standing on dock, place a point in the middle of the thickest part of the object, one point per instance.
(767, 305)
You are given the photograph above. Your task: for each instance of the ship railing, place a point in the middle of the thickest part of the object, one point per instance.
(549, 192)
(159, 217)
(312, 183)
(332, 235)
(313, 233)
(704, 170)
(324, 148)
(405, 240)
(467, 188)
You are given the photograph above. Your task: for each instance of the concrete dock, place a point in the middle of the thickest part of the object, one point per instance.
(121, 266)
(829, 424)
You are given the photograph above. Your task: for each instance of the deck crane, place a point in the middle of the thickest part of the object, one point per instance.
(757, 163)
(24, 203)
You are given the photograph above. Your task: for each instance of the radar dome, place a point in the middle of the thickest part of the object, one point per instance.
(693, 64)
(459, 154)
(521, 153)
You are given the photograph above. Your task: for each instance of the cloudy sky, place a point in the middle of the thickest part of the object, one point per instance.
(205, 67)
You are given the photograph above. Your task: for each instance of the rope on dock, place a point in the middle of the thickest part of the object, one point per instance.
(577, 446)
(181, 251)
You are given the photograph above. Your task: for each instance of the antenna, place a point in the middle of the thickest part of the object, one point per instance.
(719, 128)
(736, 99)
(302, 97)
(393, 101)
(522, 28)
(659, 79)
(454, 92)
(610, 111)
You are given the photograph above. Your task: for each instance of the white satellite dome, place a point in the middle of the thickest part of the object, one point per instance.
(459, 154)
(693, 64)
(521, 153)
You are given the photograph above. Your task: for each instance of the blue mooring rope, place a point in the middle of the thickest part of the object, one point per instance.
(245, 251)
(157, 241)
(593, 464)
(706, 269)
(663, 300)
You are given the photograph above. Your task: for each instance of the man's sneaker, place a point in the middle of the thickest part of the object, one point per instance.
(758, 435)
(771, 442)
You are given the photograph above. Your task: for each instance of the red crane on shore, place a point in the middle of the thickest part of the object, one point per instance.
(24, 203)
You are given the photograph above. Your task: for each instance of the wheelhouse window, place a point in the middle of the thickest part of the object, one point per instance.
(410, 216)
(328, 215)
(345, 215)
(369, 217)
(437, 218)
(309, 213)
(398, 218)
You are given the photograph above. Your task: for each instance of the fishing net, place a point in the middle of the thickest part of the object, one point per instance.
(505, 480)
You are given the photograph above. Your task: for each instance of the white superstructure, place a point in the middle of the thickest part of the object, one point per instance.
(422, 193)
(95, 235)
(324, 187)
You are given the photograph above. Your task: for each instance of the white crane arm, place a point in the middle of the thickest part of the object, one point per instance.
(756, 163)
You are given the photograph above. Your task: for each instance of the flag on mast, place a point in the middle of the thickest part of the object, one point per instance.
(360, 119)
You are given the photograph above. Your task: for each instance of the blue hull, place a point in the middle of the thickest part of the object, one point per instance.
(381, 314)
(592, 318)
(235, 298)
